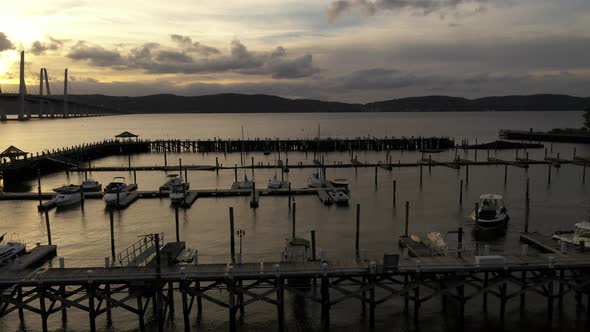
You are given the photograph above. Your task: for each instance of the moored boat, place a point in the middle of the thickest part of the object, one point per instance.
(274, 183)
(246, 184)
(581, 234)
(67, 195)
(178, 192)
(491, 213)
(173, 180)
(340, 183)
(91, 186)
(117, 190)
(316, 181)
(11, 250)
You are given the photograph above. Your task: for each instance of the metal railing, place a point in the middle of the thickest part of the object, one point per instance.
(139, 252)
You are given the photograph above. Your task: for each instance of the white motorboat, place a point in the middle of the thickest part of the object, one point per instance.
(339, 197)
(67, 195)
(274, 183)
(10, 250)
(492, 213)
(316, 181)
(91, 186)
(178, 192)
(246, 184)
(173, 180)
(340, 183)
(576, 237)
(117, 190)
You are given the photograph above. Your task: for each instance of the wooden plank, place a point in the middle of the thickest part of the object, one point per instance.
(543, 242)
(415, 249)
(37, 256)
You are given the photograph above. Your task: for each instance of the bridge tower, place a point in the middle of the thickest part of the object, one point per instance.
(49, 104)
(41, 102)
(65, 114)
(22, 89)
(2, 113)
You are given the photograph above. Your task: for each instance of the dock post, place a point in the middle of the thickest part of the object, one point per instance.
(252, 166)
(467, 174)
(165, 159)
(407, 218)
(47, 225)
(129, 162)
(135, 175)
(584, 173)
(232, 238)
(185, 312)
(357, 234)
(505, 173)
(526, 207)
(460, 238)
(235, 172)
(112, 223)
(375, 177)
(254, 201)
(325, 293)
(82, 199)
(280, 302)
(313, 247)
(417, 301)
(21, 314)
(176, 220)
(574, 152)
(549, 174)
(232, 304)
(429, 163)
(420, 174)
(461, 193)
(39, 187)
(394, 192)
(217, 165)
(185, 175)
(293, 220)
(140, 311)
(91, 309)
(180, 166)
(290, 198)
(42, 307)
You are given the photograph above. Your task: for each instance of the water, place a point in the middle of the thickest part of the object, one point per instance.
(83, 237)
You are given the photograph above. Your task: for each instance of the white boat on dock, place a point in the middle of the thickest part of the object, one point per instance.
(492, 213)
(274, 183)
(67, 195)
(246, 184)
(179, 192)
(117, 190)
(316, 181)
(11, 250)
(91, 186)
(173, 180)
(581, 234)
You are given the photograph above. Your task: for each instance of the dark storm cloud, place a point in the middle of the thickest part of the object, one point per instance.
(420, 7)
(187, 44)
(154, 59)
(95, 55)
(41, 47)
(5, 43)
(548, 52)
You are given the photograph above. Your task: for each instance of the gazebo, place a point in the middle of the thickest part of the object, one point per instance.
(127, 135)
(13, 153)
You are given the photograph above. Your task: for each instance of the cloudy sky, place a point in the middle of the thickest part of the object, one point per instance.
(347, 50)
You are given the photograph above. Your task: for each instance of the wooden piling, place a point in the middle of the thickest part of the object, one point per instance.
(81, 198)
(357, 233)
(467, 174)
(526, 207)
(505, 173)
(394, 192)
(235, 172)
(549, 174)
(313, 247)
(407, 217)
(461, 193)
(177, 226)
(375, 176)
(290, 195)
(293, 220)
(112, 226)
(232, 232)
(165, 159)
(129, 162)
(584, 173)
(217, 165)
(39, 187)
(420, 174)
(48, 226)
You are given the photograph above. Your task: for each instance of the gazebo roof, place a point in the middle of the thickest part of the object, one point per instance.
(126, 134)
(13, 151)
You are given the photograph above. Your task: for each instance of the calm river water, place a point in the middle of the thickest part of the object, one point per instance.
(83, 237)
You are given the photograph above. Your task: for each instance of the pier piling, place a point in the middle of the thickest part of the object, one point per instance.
(112, 226)
(357, 233)
(232, 238)
(293, 220)
(526, 207)
(394, 192)
(48, 226)
(461, 193)
(176, 223)
(407, 218)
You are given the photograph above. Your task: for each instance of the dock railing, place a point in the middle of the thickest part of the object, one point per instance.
(139, 252)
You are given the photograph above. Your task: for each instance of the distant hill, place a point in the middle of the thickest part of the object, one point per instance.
(545, 102)
(221, 103)
(241, 103)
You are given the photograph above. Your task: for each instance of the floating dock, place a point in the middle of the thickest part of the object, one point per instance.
(37, 256)
(415, 249)
(168, 254)
(543, 242)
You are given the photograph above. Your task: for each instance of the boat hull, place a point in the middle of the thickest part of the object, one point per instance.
(67, 199)
(111, 198)
(498, 222)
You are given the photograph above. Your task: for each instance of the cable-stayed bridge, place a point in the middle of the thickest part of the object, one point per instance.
(42, 103)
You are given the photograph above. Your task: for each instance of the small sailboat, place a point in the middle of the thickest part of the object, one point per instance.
(492, 213)
(91, 186)
(581, 234)
(316, 181)
(246, 184)
(340, 183)
(67, 195)
(117, 190)
(274, 183)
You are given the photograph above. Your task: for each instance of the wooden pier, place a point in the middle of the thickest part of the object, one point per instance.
(35, 257)
(537, 136)
(457, 281)
(542, 242)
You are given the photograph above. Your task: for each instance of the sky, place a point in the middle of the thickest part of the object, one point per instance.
(344, 50)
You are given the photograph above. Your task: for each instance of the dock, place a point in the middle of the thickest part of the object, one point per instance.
(168, 254)
(189, 199)
(35, 257)
(539, 136)
(415, 249)
(542, 242)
